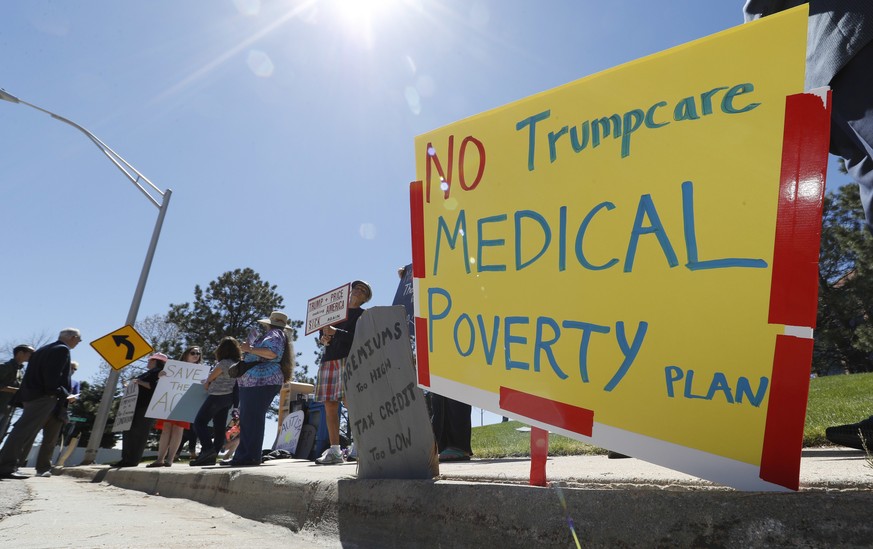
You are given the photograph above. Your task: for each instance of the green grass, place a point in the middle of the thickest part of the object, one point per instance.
(833, 400)
(503, 440)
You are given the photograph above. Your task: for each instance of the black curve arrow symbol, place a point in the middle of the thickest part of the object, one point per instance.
(122, 340)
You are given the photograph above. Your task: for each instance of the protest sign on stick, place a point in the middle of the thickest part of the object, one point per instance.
(171, 388)
(126, 408)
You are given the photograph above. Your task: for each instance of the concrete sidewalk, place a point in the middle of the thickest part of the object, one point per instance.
(488, 503)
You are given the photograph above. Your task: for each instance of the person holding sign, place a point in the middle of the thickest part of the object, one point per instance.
(840, 55)
(134, 440)
(329, 385)
(219, 387)
(272, 360)
(171, 430)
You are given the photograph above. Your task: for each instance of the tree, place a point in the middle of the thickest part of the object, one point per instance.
(844, 334)
(36, 340)
(162, 335)
(230, 306)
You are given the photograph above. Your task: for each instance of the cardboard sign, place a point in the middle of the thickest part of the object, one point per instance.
(189, 403)
(328, 308)
(387, 411)
(180, 377)
(126, 408)
(631, 259)
(289, 432)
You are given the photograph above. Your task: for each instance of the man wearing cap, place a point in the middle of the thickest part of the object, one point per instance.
(329, 385)
(134, 440)
(9, 382)
(46, 380)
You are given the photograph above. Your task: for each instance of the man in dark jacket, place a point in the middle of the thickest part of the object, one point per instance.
(46, 380)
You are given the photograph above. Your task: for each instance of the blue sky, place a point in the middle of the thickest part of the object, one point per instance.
(284, 128)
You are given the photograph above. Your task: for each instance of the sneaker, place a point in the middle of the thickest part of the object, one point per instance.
(353, 452)
(330, 458)
(45, 474)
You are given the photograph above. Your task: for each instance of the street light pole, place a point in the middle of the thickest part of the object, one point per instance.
(161, 200)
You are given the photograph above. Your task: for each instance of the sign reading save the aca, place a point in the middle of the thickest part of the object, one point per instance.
(631, 259)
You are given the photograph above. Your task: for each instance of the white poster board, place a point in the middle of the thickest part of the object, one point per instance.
(289, 432)
(328, 308)
(126, 408)
(387, 412)
(180, 376)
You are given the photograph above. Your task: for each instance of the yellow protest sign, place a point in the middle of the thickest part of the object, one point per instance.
(609, 259)
(121, 347)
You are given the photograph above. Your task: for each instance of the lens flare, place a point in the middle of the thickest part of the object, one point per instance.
(560, 493)
(260, 63)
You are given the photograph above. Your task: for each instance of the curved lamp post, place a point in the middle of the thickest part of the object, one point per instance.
(161, 199)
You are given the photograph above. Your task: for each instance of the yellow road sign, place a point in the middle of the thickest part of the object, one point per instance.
(121, 347)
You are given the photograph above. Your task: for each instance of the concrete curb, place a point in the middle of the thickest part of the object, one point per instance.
(652, 508)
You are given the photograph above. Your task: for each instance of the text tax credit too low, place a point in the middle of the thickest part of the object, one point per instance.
(631, 259)
(387, 413)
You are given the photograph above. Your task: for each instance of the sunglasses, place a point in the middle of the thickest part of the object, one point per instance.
(194, 353)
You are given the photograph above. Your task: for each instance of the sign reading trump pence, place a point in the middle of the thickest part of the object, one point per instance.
(631, 259)
(387, 413)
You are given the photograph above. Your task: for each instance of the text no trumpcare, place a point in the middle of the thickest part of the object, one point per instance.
(528, 343)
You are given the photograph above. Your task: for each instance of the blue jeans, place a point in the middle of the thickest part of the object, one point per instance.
(214, 408)
(253, 405)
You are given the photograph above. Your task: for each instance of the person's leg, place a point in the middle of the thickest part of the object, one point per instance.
(438, 420)
(219, 421)
(51, 431)
(135, 439)
(164, 443)
(174, 442)
(331, 410)
(231, 448)
(459, 425)
(26, 448)
(31, 421)
(254, 403)
(5, 414)
(201, 423)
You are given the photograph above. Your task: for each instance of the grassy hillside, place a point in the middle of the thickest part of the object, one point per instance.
(833, 400)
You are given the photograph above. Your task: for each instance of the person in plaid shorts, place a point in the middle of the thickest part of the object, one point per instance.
(329, 387)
